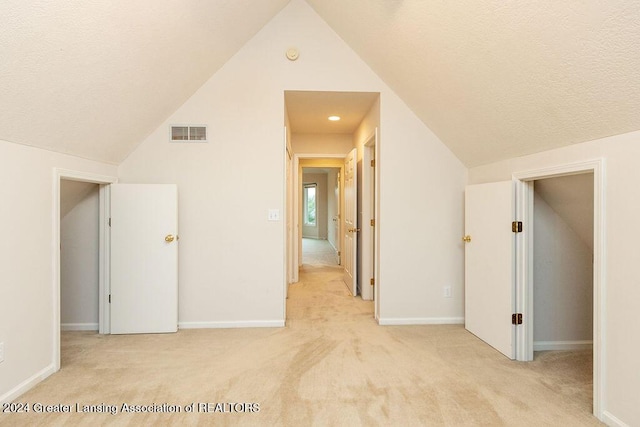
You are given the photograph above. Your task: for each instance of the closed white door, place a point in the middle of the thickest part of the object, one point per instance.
(350, 251)
(144, 258)
(489, 264)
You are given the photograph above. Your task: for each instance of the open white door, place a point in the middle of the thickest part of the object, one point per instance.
(144, 258)
(350, 249)
(489, 264)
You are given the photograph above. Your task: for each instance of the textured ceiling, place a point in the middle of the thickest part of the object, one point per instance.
(496, 79)
(492, 79)
(94, 78)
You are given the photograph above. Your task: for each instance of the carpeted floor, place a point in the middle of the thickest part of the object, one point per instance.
(331, 365)
(318, 252)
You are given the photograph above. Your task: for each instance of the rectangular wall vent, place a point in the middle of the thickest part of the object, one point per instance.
(188, 133)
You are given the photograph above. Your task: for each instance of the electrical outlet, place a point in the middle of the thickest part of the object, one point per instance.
(1, 352)
(447, 292)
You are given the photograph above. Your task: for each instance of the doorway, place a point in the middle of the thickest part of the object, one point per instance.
(321, 203)
(563, 279)
(102, 181)
(332, 126)
(525, 182)
(320, 168)
(79, 255)
(563, 267)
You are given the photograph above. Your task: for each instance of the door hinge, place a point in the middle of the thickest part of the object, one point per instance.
(373, 222)
(373, 163)
(516, 226)
(109, 298)
(516, 319)
(372, 281)
(109, 222)
(339, 253)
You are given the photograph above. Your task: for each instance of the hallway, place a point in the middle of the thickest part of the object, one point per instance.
(318, 252)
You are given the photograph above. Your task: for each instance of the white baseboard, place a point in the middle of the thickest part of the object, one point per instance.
(78, 326)
(562, 345)
(236, 324)
(612, 421)
(421, 321)
(27, 384)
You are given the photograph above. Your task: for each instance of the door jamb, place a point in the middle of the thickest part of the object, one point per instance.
(524, 265)
(103, 274)
(369, 211)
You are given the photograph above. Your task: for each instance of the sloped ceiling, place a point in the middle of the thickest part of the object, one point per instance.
(492, 79)
(496, 79)
(571, 197)
(94, 78)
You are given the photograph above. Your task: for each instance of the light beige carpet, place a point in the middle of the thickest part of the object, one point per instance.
(331, 365)
(318, 252)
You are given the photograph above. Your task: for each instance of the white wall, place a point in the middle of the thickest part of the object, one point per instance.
(322, 143)
(622, 293)
(562, 280)
(243, 104)
(79, 259)
(26, 269)
(319, 231)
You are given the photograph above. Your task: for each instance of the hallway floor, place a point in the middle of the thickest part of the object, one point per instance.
(318, 252)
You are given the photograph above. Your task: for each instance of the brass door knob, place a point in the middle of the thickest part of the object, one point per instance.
(466, 239)
(169, 238)
(353, 230)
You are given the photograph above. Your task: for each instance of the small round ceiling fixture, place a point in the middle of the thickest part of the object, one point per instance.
(334, 118)
(292, 54)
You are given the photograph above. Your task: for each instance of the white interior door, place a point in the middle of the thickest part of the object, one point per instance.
(350, 221)
(144, 258)
(489, 264)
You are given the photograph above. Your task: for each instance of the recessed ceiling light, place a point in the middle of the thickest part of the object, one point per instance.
(334, 118)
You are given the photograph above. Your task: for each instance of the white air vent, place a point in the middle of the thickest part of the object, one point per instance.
(188, 133)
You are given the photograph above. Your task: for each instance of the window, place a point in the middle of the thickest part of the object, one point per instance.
(189, 133)
(309, 206)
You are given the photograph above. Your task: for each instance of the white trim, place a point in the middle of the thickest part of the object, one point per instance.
(524, 283)
(232, 324)
(104, 262)
(562, 345)
(286, 165)
(78, 326)
(367, 232)
(421, 321)
(72, 175)
(611, 420)
(376, 236)
(27, 384)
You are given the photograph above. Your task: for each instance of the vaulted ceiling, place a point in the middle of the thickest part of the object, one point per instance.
(492, 79)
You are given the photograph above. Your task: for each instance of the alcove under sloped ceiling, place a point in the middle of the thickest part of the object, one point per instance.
(571, 197)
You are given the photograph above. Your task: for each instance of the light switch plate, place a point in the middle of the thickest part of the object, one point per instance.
(273, 215)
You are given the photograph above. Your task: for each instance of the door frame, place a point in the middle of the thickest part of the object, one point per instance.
(524, 264)
(103, 252)
(370, 210)
(296, 255)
